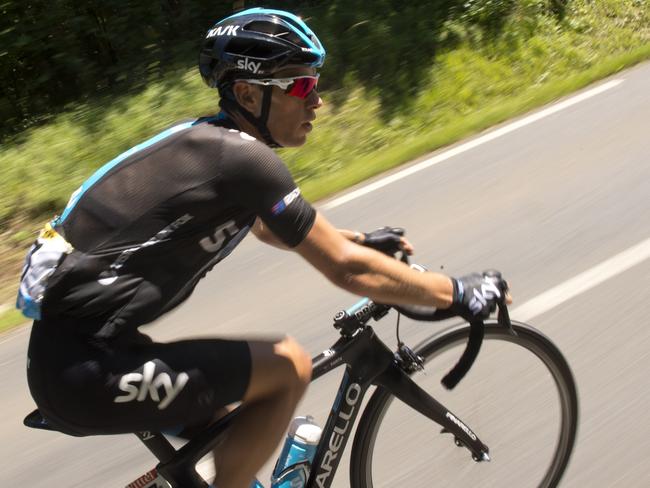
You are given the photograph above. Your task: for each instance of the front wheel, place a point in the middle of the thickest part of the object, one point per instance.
(523, 406)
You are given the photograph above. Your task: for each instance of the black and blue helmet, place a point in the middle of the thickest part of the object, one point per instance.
(255, 43)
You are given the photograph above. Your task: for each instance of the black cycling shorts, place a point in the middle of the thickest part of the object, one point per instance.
(83, 386)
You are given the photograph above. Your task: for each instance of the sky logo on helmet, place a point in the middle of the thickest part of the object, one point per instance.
(223, 30)
(248, 65)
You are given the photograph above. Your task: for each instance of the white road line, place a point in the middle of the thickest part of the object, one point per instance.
(584, 281)
(470, 145)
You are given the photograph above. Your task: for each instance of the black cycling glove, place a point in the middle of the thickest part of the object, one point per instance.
(384, 239)
(476, 296)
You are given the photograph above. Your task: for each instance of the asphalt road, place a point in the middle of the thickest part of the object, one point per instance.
(543, 203)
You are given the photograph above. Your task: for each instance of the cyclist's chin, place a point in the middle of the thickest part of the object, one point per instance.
(296, 139)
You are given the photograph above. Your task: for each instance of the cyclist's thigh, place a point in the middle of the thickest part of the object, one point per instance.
(93, 387)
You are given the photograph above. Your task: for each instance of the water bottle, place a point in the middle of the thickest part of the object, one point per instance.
(294, 463)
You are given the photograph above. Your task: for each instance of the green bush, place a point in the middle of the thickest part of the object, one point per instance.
(55, 52)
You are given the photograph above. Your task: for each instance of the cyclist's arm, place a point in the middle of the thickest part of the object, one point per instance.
(351, 235)
(385, 239)
(367, 272)
(264, 234)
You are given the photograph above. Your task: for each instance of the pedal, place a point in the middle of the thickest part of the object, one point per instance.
(149, 480)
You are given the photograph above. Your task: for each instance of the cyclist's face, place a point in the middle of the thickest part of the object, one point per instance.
(290, 117)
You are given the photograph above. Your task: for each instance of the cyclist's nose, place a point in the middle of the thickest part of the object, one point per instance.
(314, 100)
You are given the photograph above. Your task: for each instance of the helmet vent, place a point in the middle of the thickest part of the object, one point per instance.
(246, 47)
(295, 24)
(276, 30)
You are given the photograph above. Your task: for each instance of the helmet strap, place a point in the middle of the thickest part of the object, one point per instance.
(264, 116)
(230, 104)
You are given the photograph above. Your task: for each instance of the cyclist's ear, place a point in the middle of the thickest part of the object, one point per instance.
(249, 96)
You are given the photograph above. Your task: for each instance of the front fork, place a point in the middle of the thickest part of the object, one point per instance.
(397, 381)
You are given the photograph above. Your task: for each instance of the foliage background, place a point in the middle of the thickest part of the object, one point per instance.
(58, 52)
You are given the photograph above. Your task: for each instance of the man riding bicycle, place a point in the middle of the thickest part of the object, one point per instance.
(136, 238)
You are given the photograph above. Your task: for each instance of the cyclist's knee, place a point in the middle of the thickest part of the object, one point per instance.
(300, 359)
(276, 367)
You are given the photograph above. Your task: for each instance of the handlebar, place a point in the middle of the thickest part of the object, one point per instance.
(476, 331)
(361, 312)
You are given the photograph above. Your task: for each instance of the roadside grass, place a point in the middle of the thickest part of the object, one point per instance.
(475, 86)
(10, 319)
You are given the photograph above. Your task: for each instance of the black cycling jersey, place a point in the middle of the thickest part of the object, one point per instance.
(148, 225)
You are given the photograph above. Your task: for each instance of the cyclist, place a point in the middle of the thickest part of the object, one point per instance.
(135, 239)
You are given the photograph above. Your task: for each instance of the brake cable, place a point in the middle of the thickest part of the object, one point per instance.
(399, 341)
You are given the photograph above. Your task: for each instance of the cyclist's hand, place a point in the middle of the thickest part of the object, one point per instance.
(476, 296)
(388, 240)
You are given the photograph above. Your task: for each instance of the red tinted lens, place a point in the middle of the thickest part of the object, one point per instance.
(302, 87)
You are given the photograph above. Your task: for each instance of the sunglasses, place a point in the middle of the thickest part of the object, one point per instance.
(296, 86)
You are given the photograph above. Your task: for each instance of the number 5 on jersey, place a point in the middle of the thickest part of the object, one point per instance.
(221, 233)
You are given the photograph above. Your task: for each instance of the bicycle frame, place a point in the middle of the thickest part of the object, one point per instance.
(368, 361)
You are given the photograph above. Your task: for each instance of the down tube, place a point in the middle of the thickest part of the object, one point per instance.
(337, 431)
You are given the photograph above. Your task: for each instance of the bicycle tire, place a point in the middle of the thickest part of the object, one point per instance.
(364, 445)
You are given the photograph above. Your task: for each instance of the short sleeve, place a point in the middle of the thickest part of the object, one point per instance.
(253, 176)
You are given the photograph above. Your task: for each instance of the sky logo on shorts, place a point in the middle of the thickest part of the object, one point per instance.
(279, 207)
(149, 386)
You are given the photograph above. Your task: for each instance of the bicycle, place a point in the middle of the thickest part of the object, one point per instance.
(369, 361)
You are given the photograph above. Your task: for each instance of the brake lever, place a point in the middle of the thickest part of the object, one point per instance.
(503, 316)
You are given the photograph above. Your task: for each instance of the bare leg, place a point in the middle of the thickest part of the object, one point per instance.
(280, 375)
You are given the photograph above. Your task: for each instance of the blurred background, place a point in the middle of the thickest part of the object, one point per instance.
(82, 81)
